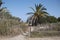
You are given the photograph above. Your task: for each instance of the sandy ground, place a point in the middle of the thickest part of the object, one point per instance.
(21, 37)
(46, 38)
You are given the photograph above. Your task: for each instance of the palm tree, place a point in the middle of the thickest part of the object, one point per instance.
(37, 14)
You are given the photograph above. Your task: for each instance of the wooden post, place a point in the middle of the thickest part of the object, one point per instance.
(30, 31)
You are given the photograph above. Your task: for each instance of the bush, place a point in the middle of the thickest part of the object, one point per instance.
(24, 27)
(8, 27)
(57, 27)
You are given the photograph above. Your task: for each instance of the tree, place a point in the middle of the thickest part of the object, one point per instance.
(51, 19)
(38, 13)
(58, 19)
(1, 3)
(7, 21)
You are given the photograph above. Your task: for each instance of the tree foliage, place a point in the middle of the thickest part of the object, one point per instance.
(1, 3)
(7, 21)
(58, 19)
(5, 14)
(37, 15)
(51, 19)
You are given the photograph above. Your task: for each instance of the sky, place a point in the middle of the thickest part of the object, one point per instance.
(20, 8)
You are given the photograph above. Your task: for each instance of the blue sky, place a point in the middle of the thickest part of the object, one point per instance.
(19, 8)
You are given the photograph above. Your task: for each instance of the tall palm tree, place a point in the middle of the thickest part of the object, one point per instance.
(37, 14)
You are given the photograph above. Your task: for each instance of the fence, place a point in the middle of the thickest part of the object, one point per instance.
(45, 29)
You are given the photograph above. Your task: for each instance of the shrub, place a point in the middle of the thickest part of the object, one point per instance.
(8, 27)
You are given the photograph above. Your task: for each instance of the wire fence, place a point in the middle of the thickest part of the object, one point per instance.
(51, 29)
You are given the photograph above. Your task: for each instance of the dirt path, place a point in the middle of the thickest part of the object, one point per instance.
(21, 37)
(46, 38)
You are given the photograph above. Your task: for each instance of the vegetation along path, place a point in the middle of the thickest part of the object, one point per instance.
(46, 38)
(21, 37)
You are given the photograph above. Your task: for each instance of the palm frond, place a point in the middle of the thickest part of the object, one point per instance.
(45, 12)
(1, 3)
(43, 8)
(32, 9)
(30, 13)
(38, 7)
